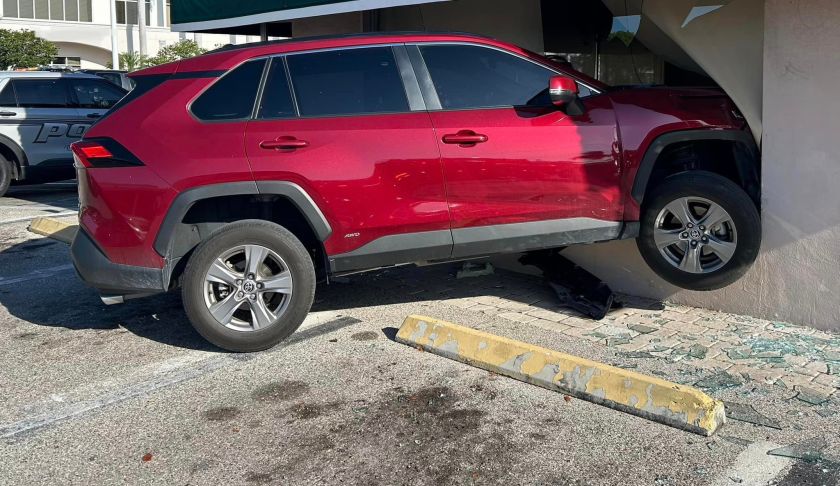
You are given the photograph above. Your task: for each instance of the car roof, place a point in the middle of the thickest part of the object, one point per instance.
(229, 56)
(44, 75)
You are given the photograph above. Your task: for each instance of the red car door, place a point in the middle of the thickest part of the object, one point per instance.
(362, 148)
(520, 173)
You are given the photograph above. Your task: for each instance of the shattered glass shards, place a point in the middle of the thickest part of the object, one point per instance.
(810, 450)
(719, 381)
(747, 413)
(772, 350)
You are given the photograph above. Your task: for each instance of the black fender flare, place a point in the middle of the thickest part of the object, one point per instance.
(742, 137)
(185, 200)
(20, 155)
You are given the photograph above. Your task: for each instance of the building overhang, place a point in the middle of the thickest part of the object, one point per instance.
(209, 15)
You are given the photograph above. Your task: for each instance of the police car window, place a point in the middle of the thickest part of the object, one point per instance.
(232, 96)
(7, 96)
(95, 94)
(41, 93)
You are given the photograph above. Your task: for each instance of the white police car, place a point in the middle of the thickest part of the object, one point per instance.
(41, 114)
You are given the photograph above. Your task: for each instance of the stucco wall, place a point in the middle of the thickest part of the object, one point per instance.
(797, 275)
(516, 21)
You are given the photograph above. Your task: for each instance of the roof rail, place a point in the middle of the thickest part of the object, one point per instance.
(231, 47)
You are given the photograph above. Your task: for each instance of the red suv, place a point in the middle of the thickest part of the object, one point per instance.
(247, 174)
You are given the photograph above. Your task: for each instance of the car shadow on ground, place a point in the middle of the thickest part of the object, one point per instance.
(63, 195)
(73, 306)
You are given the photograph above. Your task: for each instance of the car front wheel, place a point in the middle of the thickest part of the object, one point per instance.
(249, 286)
(699, 230)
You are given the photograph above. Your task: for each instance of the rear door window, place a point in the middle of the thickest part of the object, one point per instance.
(277, 98)
(42, 93)
(232, 97)
(467, 77)
(96, 94)
(347, 82)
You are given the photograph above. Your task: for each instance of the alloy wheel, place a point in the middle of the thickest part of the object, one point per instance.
(695, 235)
(248, 288)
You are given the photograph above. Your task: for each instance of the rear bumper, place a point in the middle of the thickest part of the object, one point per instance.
(111, 278)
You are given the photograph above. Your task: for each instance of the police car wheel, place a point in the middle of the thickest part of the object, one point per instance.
(5, 175)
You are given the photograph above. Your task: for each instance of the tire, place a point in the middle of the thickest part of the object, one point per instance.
(256, 323)
(5, 175)
(721, 254)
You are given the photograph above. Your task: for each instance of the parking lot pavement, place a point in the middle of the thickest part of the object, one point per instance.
(130, 393)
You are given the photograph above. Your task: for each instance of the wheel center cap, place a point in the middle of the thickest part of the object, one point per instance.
(695, 234)
(249, 286)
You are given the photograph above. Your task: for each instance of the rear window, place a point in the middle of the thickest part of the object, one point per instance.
(232, 96)
(41, 93)
(347, 82)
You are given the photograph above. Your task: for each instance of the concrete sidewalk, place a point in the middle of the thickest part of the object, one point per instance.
(802, 359)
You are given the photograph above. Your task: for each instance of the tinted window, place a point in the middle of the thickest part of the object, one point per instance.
(479, 77)
(276, 100)
(345, 82)
(41, 93)
(7, 96)
(231, 97)
(92, 93)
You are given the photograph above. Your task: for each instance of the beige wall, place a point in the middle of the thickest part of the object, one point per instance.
(328, 24)
(516, 21)
(797, 275)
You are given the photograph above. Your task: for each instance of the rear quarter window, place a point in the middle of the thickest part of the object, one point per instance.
(232, 96)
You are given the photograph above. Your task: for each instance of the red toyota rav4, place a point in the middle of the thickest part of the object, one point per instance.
(247, 174)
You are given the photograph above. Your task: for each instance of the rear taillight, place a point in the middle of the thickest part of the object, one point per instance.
(102, 153)
(86, 151)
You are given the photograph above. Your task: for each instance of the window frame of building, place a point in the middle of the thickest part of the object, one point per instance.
(125, 9)
(65, 61)
(46, 10)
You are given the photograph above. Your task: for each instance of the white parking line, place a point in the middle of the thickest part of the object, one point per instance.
(30, 218)
(754, 467)
(163, 375)
(36, 274)
(33, 207)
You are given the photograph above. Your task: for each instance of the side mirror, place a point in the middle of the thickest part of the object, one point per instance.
(563, 90)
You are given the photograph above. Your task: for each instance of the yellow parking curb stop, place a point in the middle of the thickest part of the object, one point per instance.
(56, 229)
(652, 398)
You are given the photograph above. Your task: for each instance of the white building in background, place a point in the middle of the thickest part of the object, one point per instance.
(82, 28)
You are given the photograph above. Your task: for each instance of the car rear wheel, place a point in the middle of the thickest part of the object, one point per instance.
(5, 175)
(699, 231)
(249, 286)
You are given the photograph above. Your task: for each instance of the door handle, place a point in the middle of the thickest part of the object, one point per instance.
(7, 113)
(465, 138)
(94, 115)
(284, 143)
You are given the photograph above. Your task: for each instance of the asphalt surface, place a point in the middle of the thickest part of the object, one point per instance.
(131, 394)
